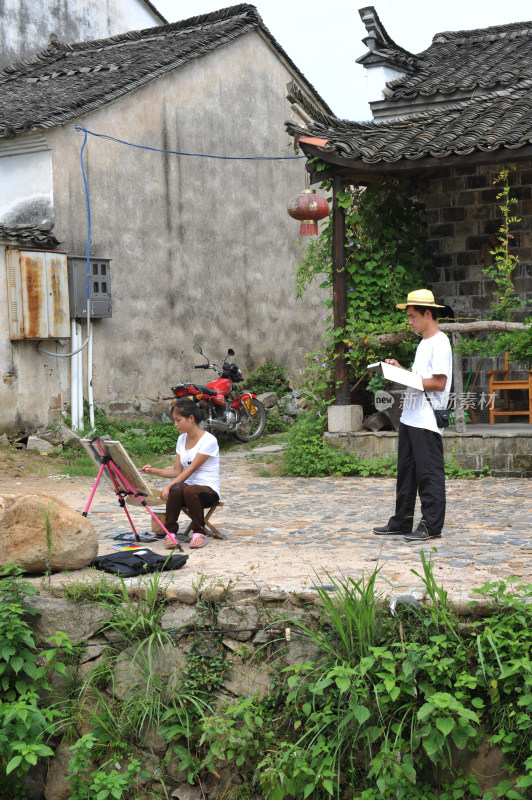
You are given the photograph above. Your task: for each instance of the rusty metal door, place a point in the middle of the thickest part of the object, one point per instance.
(38, 294)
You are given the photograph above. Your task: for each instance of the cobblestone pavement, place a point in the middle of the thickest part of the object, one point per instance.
(290, 532)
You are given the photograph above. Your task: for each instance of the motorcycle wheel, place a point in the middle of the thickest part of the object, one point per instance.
(252, 422)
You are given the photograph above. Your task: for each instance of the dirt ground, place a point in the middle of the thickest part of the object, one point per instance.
(290, 532)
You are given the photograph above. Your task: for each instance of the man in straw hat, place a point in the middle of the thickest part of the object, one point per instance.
(420, 459)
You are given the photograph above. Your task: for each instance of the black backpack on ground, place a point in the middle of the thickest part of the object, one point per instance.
(138, 562)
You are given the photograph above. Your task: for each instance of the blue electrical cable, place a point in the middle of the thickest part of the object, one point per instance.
(180, 153)
(87, 202)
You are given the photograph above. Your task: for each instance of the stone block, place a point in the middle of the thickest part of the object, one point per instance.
(477, 181)
(79, 621)
(346, 419)
(42, 446)
(180, 619)
(479, 212)
(23, 531)
(453, 184)
(240, 621)
(522, 465)
(438, 200)
(455, 245)
(268, 399)
(453, 214)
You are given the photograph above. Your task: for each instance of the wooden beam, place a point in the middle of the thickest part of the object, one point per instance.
(343, 393)
(354, 167)
(386, 339)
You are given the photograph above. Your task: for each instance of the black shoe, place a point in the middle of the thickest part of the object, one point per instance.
(387, 531)
(421, 535)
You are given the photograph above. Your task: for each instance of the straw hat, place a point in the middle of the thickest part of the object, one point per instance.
(421, 297)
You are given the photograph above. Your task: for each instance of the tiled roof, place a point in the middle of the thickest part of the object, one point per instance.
(68, 80)
(466, 60)
(485, 77)
(28, 235)
(485, 124)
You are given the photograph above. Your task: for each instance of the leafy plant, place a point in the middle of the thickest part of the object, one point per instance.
(109, 780)
(505, 301)
(24, 674)
(138, 617)
(269, 377)
(307, 455)
(385, 259)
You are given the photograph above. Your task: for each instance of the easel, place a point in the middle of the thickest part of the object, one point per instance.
(123, 488)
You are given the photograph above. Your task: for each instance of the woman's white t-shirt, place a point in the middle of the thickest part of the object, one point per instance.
(209, 472)
(433, 357)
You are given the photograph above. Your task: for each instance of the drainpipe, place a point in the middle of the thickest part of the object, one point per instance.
(79, 357)
(90, 395)
(74, 377)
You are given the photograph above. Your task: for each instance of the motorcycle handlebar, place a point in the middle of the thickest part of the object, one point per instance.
(201, 366)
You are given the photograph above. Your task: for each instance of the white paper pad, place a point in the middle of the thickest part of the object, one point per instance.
(398, 375)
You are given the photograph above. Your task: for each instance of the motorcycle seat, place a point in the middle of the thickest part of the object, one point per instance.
(206, 390)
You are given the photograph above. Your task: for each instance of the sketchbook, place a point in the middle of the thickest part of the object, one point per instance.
(398, 375)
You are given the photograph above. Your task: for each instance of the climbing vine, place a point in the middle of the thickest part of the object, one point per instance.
(506, 301)
(386, 257)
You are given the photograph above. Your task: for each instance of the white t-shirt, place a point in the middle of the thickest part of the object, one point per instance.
(433, 357)
(209, 472)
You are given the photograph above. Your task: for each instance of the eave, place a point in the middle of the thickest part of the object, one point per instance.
(362, 172)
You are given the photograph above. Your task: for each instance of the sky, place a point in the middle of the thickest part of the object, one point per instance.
(323, 37)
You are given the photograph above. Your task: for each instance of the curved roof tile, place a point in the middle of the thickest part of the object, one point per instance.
(468, 59)
(66, 81)
(487, 123)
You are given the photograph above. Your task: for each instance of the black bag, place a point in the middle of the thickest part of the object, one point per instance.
(137, 562)
(442, 417)
(442, 414)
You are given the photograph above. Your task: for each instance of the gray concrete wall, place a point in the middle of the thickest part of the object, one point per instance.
(26, 25)
(203, 250)
(505, 452)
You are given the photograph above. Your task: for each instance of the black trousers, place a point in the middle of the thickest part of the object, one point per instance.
(419, 469)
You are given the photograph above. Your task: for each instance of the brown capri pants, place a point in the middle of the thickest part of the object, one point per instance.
(195, 498)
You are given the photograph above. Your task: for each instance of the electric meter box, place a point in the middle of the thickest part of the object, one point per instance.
(100, 287)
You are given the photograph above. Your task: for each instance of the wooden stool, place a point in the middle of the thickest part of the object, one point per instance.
(215, 532)
(208, 528)
(507, 385)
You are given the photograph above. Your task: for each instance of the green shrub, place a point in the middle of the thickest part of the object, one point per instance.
(24, 674)
(308, 456)
(269, 377)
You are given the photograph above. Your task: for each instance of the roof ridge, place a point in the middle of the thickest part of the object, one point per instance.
(480, 34)
(135, 58)
(55, 47)
(378, 35)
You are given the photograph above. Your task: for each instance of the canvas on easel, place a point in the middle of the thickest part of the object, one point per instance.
(127, 482)
(116, 452)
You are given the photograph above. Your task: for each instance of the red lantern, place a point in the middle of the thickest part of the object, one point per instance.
(308, 207)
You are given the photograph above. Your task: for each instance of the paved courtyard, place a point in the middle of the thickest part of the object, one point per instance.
(288, 532)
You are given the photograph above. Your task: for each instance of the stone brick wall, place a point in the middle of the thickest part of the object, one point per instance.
(464, 217)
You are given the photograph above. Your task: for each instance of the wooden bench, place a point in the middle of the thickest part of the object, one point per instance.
(506, 385)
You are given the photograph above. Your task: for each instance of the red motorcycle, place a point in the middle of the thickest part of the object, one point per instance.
(226, 409)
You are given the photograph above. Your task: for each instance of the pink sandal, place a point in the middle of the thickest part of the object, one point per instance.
(198, 540)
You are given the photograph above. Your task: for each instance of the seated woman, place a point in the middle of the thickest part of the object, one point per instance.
(195, 474)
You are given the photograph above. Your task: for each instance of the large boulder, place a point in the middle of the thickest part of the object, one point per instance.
(24, 519)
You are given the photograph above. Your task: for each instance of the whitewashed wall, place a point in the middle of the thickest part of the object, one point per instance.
(203, 251)
(26, 25)
(26, 181)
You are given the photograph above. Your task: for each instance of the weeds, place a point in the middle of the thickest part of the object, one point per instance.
(386, 708)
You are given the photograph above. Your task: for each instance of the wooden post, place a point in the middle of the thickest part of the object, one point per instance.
(459, 413)
(343, 393)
